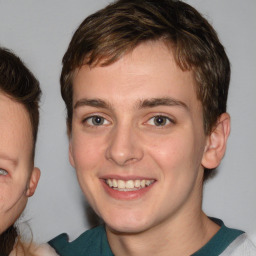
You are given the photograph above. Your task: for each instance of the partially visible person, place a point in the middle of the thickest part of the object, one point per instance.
(19, 118)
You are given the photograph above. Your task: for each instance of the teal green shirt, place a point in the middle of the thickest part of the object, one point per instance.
(94, 242)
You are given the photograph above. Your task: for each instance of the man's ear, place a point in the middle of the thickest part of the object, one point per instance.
(70, 154)
(34, 178)
(216, 142)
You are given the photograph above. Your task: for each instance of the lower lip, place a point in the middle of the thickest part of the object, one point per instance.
(126, 195)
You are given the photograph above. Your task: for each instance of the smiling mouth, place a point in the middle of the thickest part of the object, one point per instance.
(128, 185)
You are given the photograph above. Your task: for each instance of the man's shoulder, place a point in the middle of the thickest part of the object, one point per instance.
(220, 241)
(88, 236)
(91, 242)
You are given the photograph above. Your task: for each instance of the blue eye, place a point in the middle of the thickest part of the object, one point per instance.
(159, 120)
(3, 172)
(96, 121)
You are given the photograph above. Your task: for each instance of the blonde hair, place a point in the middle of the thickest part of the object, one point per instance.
(23, 249)
(31, 249)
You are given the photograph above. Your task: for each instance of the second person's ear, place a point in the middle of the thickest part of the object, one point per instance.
(33, 181)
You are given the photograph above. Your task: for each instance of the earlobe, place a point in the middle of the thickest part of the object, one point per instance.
(34, 178)
(216, 142)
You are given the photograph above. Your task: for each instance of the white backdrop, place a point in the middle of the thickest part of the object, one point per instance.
(39, 32)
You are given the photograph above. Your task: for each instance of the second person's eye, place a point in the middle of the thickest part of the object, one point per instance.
(3, 172)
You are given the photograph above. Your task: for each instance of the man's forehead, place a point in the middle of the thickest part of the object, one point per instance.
(150, 71)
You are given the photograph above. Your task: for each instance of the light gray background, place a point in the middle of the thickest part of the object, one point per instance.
(39, 32)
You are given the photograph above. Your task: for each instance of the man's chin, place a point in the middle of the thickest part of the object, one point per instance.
(126, 228)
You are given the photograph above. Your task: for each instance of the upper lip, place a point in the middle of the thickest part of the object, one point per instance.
(130, 177)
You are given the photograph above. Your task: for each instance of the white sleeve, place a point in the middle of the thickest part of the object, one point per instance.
(241, 246)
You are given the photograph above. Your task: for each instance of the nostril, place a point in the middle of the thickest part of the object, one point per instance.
(124, 147)
(124, 158)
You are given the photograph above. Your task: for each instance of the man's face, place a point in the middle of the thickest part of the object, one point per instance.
(15, 159)
(137, 139)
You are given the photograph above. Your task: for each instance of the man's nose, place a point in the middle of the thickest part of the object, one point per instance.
(124, 146)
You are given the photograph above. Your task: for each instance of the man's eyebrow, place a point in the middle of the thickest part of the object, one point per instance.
(145, 103)
(165, 101)
(98, 103)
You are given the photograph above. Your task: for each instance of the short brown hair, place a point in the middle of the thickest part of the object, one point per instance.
(20, 84)
(108, 34)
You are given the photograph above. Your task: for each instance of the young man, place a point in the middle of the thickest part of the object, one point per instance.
(145, 85)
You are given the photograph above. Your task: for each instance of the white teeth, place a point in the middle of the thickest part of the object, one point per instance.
(129, 185)
(137, 183)
(147, 183)
(121, 184)
(109, 182)
(114, 183)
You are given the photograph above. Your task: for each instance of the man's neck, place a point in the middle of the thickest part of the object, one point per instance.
(180, 237)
